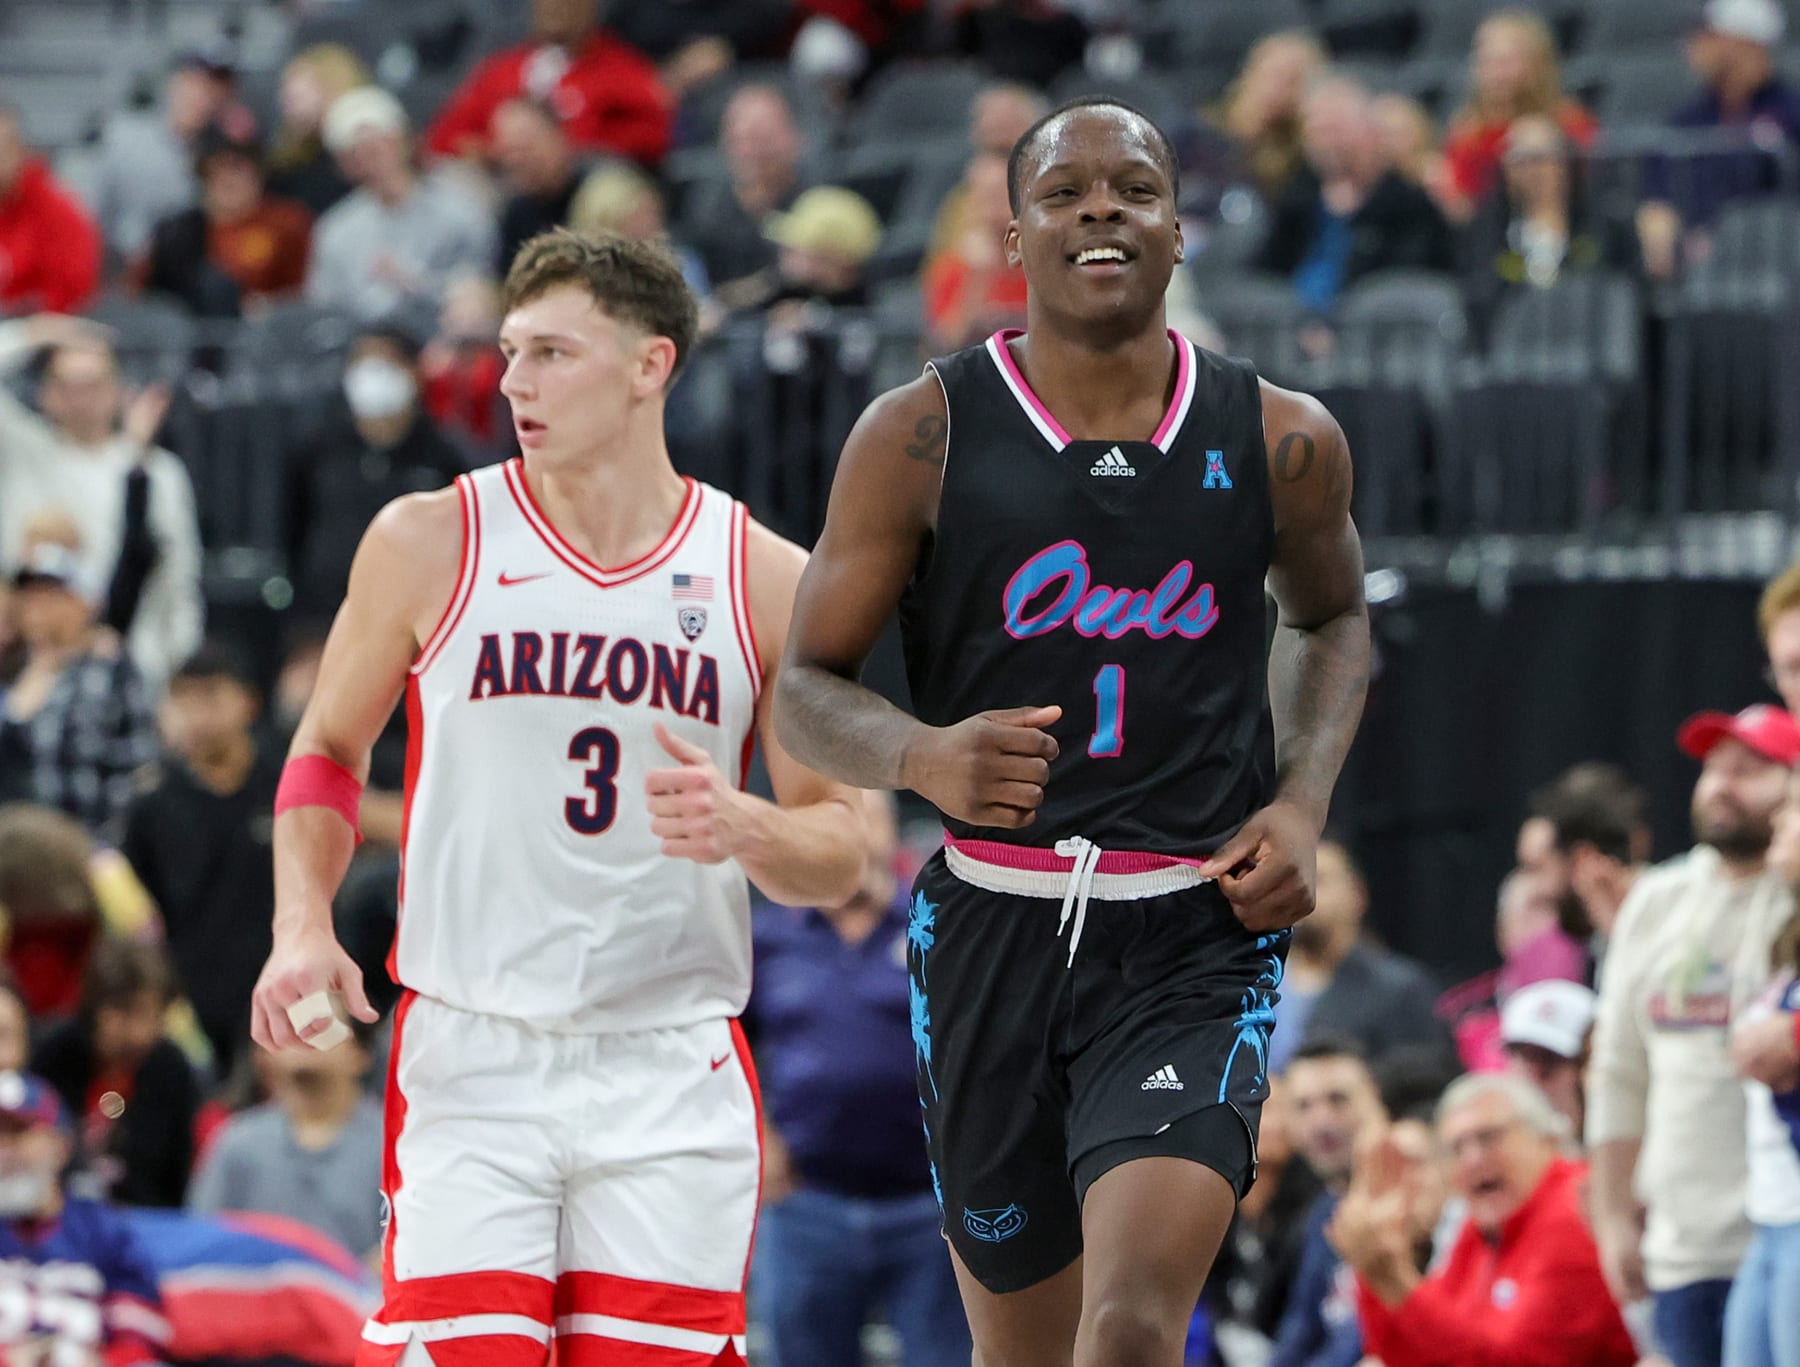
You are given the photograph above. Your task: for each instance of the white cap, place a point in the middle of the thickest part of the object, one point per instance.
(1552, 1014)
(1757, 21)
(367, 109)
(50, 562)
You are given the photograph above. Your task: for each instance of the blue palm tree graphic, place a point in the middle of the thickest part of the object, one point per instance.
(921, 935)
(1256, 1015)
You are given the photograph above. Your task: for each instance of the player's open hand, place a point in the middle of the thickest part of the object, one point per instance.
(694, 810)
(302, 963)
(1268, 871)
(989, 770)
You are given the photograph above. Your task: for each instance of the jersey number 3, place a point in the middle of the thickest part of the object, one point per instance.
(1108, 740)
(597, 748)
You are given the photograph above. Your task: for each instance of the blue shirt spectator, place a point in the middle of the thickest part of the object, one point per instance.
(850, 1219)
(1320, 1328)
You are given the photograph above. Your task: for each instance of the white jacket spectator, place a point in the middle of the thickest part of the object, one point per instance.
(397, 238)
(75, 457)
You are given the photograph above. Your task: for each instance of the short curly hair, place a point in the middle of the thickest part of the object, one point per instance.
(636, 282)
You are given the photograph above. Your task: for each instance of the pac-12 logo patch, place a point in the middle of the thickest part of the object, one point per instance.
(693, 622)
(994, 1226)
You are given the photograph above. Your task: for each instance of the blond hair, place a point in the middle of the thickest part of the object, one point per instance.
(1543, 92)
(1782, 595)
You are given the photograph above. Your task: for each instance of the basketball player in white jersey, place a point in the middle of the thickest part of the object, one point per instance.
(572, 1129)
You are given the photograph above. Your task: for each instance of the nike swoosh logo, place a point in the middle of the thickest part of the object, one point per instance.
(719, 1063)
(508, 580)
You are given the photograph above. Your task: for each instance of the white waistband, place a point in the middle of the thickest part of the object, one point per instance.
(1052, 884)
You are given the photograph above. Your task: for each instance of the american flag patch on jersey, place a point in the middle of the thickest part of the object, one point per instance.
(694, 587)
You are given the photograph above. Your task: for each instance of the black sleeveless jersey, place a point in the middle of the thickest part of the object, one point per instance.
(1122, 580)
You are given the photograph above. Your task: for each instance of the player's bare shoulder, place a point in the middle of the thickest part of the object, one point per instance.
(897, 449)
(1309, 460)
(410, 559)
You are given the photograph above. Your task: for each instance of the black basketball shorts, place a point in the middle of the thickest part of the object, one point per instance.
(1037, 1075)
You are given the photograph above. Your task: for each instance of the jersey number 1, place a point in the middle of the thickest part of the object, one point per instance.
(597, 748)
(1108, 740)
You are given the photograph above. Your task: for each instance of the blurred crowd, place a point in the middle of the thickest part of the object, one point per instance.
(1587, 1156)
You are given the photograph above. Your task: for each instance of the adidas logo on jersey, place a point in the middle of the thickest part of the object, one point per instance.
(1112, 463)
(1163, 1080)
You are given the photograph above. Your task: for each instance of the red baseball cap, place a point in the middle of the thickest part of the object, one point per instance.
(1769, 730)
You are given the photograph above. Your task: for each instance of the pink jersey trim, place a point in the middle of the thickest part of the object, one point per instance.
(1037, 860)
(1053, 431)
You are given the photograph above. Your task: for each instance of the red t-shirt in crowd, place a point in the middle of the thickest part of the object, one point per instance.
(1533, 1298)
(1472, 150)
(266, 252)
(609, 97)
(49, 247)
(953, 293)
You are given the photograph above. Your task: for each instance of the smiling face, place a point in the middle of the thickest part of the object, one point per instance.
(1095, 226)
(574, 373)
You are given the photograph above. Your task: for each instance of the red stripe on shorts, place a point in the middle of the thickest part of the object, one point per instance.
(627, 1298)
(468, 1293)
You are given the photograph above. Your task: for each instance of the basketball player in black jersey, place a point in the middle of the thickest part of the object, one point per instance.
(1076, 525)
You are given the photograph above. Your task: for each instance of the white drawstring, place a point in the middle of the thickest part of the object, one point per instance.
(1086, 855)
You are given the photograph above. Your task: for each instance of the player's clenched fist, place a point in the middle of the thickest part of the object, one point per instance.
(989, 770)
(694, 810)
(302, 963)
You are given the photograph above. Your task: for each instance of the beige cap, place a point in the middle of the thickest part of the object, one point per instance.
(828, 219)
(367, 109)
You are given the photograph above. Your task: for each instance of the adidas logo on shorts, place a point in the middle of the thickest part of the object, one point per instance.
(1112, 463)
(1163, 1080)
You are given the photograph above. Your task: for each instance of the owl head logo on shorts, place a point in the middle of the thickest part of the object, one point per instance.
(994, 1226)
(692, 621)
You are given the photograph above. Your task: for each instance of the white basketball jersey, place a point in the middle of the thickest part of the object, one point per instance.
(531, 886)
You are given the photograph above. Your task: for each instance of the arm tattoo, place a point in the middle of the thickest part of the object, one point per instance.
(1294, 457)
(930, 437)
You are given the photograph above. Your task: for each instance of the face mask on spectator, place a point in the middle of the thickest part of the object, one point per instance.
(379, 389)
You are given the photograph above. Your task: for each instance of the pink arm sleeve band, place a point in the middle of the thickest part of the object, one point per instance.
(315, 781)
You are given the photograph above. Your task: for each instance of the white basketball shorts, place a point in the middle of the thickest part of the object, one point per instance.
(595, 1190)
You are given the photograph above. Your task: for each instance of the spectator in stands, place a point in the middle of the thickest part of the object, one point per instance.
(1665, 1109)
(300, 165)
(998, 117)
(1260, 1258)
(1778, 623)
(1603, 837)
(53, 915)
(1522, 1283)
(1528, 932)
(607, 93)
(147, 160)
(762, 150)
(76, 724)
(461, 369)
(1731, 51)
(77, 1278)
(616, 197)
(1336, 1110)
(1409, 139)
(1341, 984)
(132, 1090)
(536, 164)
(394, 240)
(824, 243)
(339, 480)
(1545, 1029)
(1349, 213)
(49, 247)
(311, 1153)
(1263, 111)
(971, 288)
(239, 247)
(1538, 225)
(849, 1218)
(131, 499)
(1514, 73)
(198, 838)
